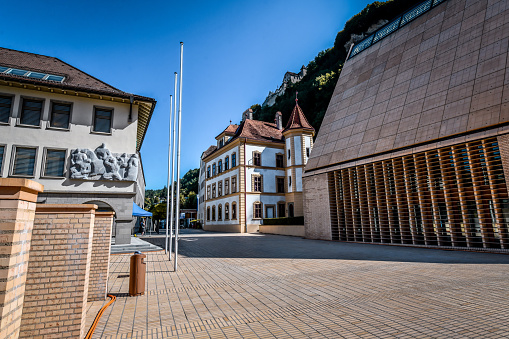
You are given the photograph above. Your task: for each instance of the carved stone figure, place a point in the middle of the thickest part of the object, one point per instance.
(102, 164)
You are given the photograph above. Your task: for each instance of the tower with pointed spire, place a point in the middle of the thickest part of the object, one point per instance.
(298, 135)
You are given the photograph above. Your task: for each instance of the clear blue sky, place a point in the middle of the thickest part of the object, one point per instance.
(234, 53)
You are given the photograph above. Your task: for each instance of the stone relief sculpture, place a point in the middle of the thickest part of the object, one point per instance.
(102, 164)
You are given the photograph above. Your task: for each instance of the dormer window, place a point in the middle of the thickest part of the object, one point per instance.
(221, 143)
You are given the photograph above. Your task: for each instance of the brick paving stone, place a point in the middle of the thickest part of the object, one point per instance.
(267, 286)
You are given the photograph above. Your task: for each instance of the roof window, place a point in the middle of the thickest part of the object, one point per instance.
(30, 74)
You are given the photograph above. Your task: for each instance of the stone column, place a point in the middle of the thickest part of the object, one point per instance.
(58, 275)
(101, 246)
(17, 211)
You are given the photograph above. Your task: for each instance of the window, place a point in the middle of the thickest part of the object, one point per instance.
(208, 192)
(307, 152)
(234, 211)
(2, 151)
(5, 108)
(54, 163)
(289, 154)
(221, 143)
(208, 172)
(60, 115)
(234, 184)
(257, 210)
(219, 188)
(279, 160)
(213, 213)
(257, 158)
(226, 187)
(24, 161)
(213, 169)
(31, 111)
(219, 212)
(281, 209)
(290, 210)
(280, 184)
(219, 166)
(213, 191)
(226, 163)
(30, 74)
(234, 160)
(208, 213)
(257, 183)
(226, 211)
(102, 120)
(289, 181)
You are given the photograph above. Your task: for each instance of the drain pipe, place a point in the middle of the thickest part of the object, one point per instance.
(245, 185)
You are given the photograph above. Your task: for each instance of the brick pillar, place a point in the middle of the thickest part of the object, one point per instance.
(17, 211)
(58, 273)
(100, 264)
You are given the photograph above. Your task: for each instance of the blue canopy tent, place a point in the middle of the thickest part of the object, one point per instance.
(140, 212)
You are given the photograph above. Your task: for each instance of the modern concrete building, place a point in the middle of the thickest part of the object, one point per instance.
(414, 146)
(73, 133)
(254, 172)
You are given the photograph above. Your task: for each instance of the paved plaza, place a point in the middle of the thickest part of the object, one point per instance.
(268, 286)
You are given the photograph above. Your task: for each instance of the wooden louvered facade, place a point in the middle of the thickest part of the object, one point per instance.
(453, 196)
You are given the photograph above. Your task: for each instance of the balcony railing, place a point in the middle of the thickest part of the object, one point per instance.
(394, 25)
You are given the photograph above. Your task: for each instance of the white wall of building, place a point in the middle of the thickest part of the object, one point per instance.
(121, 140)
(288, 147)
(269, 178)
(307, 144)
(289, 188)
(298, 179)
(222, 202)
(265, 200)
(268, 154)
(222, 156)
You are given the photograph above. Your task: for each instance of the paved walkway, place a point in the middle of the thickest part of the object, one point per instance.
(268, 286)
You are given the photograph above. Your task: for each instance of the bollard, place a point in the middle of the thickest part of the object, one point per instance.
(137, 274)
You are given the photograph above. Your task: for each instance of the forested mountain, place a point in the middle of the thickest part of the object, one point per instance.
(316, 88)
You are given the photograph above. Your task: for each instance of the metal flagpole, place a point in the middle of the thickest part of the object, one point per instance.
(169, 173)
(173, 166)
(178, 159)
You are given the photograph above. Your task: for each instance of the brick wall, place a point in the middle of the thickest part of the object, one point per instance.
(58, 273)
(316, 207)
(17, 211)
(99, 266)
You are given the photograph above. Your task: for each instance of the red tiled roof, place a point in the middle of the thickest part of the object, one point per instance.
(259, 130)
(231, 129)
(298, 120)
(75, 79)
(209, 151)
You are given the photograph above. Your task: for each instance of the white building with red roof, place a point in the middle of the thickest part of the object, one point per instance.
(254, 172)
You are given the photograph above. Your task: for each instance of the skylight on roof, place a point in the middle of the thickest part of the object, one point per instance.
(30, 74)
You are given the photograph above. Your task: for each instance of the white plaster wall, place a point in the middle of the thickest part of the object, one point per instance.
(307, 144)
(268, 154)
(269, 178)
(121, 140)
(297, 144)
(288, 174)
(222, 157)
(265, 200)
(298, 180)
(222, 201)
(288, 146)
(222, 177)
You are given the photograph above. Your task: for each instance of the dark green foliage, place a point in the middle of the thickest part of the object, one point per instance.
(284, 221)
(314, 95)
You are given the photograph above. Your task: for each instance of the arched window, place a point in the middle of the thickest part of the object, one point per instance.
(219, 188)
(290, 210)
(281, 209)
(219, 166)
(226, 211)
(208, 172)
(208, 213)
(226, 163)
(257, 210)
(219, 212)
(213, 213)
(234, 211)
(213, 169)
(234, 160)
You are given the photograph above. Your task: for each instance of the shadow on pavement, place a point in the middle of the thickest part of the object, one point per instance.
(202, 244)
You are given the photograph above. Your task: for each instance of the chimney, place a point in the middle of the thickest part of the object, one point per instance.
(248, 114)
(279, 120)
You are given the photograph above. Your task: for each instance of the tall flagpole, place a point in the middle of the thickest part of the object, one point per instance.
(170, 160)
(178, 158)
(173, 166)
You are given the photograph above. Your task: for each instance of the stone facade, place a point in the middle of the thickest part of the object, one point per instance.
(412, 147)
(58, 275)
(17, 212)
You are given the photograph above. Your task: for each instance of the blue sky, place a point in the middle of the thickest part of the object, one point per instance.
(234, 53)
